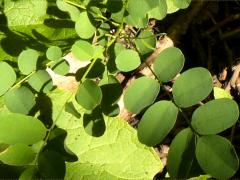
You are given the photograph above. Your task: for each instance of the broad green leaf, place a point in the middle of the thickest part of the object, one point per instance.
(54, 53)
(140, 94)
(18, 128)
(217, 156)
(182, 4)
(127, 60)
(221, 93)
(201, 177)
(51, 165)
(141, 10)
(29, 173)
(168, 64)
(66, 7)
(41, 81)
(17, 155)
(157, 122)
(159, 10)
(83, 50)
(7, 77)
(171, 7)
(60, 67)
(84, 26)
(181, 162)
(27, 61)
(117, 154)
(89, 95)
(145, 42)
(136, 21)
(193, 86)
(215, 116)
(118, 16)
(20, 100)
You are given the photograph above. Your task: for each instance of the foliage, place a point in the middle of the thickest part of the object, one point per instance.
(46, 132)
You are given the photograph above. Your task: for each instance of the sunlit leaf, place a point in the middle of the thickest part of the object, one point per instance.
(27, 61)
(83, 50)
(17, 155)
(221, 93)
(54, 53)
(18, 128)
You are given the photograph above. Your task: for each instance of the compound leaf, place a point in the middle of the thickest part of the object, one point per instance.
(216, 156)
(7, 77)
(157, 122)
(18, 128)
(168, 64)
(193, 86)
(89, 94)
(127, 60)
(20, 100)
(17, 155)
(140, 94)
(215, 116)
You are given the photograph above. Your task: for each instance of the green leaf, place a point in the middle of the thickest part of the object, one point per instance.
(159, 10)
(140, 94)
(157, 122)
(215, 116)
(29, 173)
(145, 42)
(41, 81)
(93, 123)
(171, 7)
(182, 4)
(168, 64)
(84, 27)
(51, 165)
(181, 162)
(193, 86)
(20, 100)
(83, 50)
(7, 77)
(141, 11)
(221, 93)
(27, 61)
(114, 6)
(127, 60)
(217, 157)
(17, 155)
(66, 7)
(18, 128)
(54, 53)
(104, 157)
(60, 67)
(201, 177)
(89, 94)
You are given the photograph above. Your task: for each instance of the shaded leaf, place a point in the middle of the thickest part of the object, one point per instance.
(215, 116)
(29, 173)
(7, 77)
(60, 67)
(20, 100)
(216, 156)
(89, 95)
(193, 86)
(83, 50)
(41, 81)
(168, 64)
(157, 122)
(145, 42)
(140, 94)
